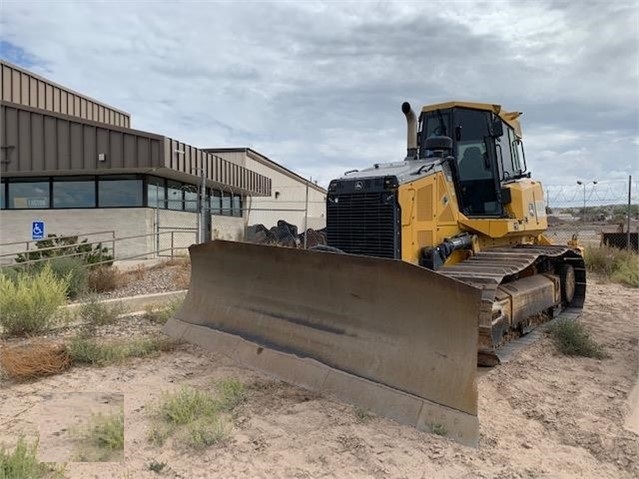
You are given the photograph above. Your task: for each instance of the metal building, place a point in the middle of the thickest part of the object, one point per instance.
(73, 163)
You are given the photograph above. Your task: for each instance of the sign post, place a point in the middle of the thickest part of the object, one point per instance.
(37, 230)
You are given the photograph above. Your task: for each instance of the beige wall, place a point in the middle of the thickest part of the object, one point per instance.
(292, 193)
(15, 225)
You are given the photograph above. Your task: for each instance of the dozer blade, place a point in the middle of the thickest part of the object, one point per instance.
(385, 335)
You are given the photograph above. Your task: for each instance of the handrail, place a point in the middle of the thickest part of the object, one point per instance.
(154, 251)
(81, 235)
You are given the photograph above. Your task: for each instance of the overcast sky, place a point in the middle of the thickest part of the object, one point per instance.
(317, 86)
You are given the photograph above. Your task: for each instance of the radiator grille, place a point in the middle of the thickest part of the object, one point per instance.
(364, 223)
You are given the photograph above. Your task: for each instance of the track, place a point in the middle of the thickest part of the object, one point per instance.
(490, 268)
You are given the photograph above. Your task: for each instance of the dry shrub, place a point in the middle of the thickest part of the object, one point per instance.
(35, 360)
(181, 261)
(616, 265)
(138, 273)
(105, 278)
(182, 277)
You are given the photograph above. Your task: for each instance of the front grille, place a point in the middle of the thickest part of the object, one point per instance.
(364, 223)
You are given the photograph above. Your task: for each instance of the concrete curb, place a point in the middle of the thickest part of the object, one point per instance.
(139, 302)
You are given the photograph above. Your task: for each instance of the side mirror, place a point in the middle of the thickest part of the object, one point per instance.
(496, 128)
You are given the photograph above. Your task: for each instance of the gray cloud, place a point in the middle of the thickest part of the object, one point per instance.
(317, 86)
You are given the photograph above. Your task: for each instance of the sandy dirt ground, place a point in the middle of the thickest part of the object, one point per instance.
(542, 415)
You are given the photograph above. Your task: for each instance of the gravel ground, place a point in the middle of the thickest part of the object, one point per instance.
(159, 279)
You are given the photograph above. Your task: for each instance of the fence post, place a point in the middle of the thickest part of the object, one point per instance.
(629, 204)
(113, 244)
(306, 216)
(172, 244)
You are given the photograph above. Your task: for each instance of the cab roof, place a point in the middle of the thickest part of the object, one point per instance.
(511, 118)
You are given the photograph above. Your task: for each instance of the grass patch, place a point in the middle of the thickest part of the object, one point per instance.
(73, 269)
(198, 418)
(22, 462)
(232, 393)
(102, 439)
(161, 314)
(206, 432)
(156, 467)
(90, 351)
(97, 313)
(186, 405)
(30, 303)
(362, 415)
(572, 339)
(105, 278)
(438, 429)
(618, 266)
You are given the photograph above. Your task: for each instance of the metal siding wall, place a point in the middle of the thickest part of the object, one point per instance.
(89, 150)
(64, 150)
(50, 144)
(41, 95)
(116, 149)
(144, 152)
(6, 83)
(15, 85)
(24, 88)
(45, 142)
(129, 150)
(36, 138)
(63, 103)
(33, 94)
(10, 117)
(102, 146)
(48, 94)
(76, 146)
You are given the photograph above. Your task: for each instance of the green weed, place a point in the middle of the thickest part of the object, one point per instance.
(572, 339)
(616, 265)
(102, 439)
(161, 314)
(90, 351)
(30, 304)
(22, 462)
(232, 393)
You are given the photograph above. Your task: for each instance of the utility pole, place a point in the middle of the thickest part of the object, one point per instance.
(203, 206)
(306, 217)
(584, 183)
(628, 228)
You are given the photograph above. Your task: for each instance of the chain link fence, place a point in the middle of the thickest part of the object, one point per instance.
(597, 212)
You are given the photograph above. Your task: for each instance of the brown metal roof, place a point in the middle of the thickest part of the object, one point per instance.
(34, 142)
(268, 162)
(23, 87)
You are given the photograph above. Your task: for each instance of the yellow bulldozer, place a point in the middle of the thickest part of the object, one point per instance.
(433, 263)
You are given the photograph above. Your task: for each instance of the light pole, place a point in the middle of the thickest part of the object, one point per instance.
(584, 183)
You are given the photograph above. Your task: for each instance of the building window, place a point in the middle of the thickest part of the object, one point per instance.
(114, 192)
(31, 194)
(2, 193)
(226, 204)
(216, 202)
(237, 205)
(190, 198)
(74, 193)
(174, 195)
(155, 193)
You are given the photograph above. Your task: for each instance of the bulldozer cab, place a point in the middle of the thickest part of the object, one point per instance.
(487, 154)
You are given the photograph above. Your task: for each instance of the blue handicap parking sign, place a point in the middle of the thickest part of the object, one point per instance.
(37, 230)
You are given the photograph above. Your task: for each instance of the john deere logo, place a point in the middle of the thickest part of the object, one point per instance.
(359, 185)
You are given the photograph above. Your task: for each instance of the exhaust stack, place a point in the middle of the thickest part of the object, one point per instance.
(411, 133)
